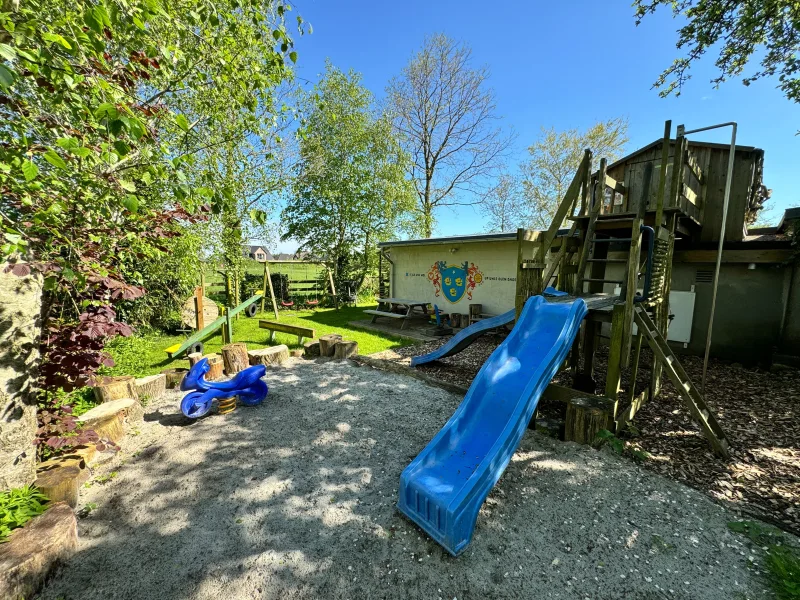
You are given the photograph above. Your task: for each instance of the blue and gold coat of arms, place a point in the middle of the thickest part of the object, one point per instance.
(454, 281)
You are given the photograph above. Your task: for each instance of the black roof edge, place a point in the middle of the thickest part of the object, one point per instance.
(479, 237)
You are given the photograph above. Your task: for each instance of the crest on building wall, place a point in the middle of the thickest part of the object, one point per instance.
(454, 281)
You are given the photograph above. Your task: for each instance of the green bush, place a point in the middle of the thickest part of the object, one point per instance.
(19, 506)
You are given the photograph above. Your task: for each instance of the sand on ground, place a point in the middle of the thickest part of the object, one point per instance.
(296, 499)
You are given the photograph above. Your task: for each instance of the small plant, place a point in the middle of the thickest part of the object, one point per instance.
(106, 478)
(622, 447)
(17, 507)
(782, 560)
(88, 508)
(59, 431)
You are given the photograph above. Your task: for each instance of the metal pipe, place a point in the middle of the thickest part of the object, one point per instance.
(726, 200)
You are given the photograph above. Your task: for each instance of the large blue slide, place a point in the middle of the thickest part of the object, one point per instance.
(444, 486)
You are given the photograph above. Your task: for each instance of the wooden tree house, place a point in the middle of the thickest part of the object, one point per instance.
(637, 218)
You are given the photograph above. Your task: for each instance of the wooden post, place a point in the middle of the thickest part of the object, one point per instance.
(586, 417)
(529, 272)
(227, 329)
(199, 317)
(662, 182)
(584, 380)
(268, 283)
(333, 287)
(614, 372)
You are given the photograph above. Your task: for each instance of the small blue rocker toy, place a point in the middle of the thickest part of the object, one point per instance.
(246, 385)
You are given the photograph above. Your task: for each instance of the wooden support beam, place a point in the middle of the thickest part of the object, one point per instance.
(615, 185)
(626, 415)
(333, 288)
(662, 182)
(614, 373)
(566, 207)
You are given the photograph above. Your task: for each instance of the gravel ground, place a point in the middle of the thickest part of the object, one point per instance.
(295, 499)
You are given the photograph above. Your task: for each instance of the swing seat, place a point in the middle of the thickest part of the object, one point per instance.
(287, 304)
(312, 302)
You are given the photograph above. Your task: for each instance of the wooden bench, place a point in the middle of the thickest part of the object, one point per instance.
(380, 313)
(300, 332)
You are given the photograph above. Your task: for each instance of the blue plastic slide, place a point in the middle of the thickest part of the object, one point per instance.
(460, 341)
(464, 338)
(444, 486)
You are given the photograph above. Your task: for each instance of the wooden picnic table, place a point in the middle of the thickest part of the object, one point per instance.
(388, 306)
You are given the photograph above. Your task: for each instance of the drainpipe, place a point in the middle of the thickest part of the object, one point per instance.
(725, 202)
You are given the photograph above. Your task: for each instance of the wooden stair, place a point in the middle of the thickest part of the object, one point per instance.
(691, 397)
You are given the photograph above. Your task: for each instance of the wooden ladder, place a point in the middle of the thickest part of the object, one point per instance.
(691, 397)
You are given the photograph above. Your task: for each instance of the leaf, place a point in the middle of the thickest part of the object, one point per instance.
(7, 77)
(181, 121)
(128, 186)
(29, 170)
(56, 39)
(67, 143)
(121, 147)
(293, 56)
(131, 203)
(106, 111)
(54, 159)
(7, 52)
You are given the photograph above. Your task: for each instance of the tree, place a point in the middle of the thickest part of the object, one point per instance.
(445, 115)
(554, 159)
(770, 29)
(95, 148)
(350, 191)
(503, 205)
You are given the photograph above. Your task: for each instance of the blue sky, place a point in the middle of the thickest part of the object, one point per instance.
(562, 64)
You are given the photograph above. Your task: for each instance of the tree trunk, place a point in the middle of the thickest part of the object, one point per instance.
(344, 349)
(235, 358)
(586, 417)
(114, 388)
(269, 356)
(174, 377)
(217, 365)
(194, 358)
(311, 348)
(327, 343)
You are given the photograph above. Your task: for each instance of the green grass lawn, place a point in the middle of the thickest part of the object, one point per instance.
(144, 355)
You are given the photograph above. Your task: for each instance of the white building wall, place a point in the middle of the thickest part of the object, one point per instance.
(494, 260)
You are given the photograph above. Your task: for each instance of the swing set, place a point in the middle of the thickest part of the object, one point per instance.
(300, 284)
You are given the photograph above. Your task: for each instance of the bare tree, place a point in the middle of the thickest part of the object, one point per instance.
(554, 158)
(446, 117)
(504, 206)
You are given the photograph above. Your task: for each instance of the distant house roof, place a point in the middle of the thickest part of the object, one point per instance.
(254, 249)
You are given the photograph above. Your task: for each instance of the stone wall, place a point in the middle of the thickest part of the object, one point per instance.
(20, 304)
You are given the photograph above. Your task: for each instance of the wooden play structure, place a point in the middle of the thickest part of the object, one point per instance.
(620, 235)
(293, 292)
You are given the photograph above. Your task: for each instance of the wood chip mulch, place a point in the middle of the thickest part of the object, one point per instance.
(759, 411)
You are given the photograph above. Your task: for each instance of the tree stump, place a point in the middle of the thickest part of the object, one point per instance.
(475, 311)
(455, 319)
(311, 349)
(60, 483)
(194, 358)
(174, 377)
(217, 367)
(296, 353)
(345, 349)
(152, 386)
(586, 416)
(234, 356)
(114, 388)
(327, 343)
(107, 419)
(269, 356)
(34, 550)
